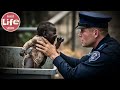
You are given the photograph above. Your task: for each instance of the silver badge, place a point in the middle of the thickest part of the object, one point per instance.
(94, 56)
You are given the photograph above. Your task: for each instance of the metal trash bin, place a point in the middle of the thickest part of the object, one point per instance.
(11, 66)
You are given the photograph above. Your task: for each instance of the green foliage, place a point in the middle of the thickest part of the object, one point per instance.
(25, 37)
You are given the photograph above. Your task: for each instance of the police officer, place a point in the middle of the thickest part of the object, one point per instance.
(103, 62)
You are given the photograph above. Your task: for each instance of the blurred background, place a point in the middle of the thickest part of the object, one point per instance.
(65, 22)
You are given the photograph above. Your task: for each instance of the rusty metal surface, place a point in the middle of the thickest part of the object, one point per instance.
(8, 70)
(37, 71)
(28, 71)
(9, 57)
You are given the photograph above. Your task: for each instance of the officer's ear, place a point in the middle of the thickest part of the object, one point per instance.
(96, 32)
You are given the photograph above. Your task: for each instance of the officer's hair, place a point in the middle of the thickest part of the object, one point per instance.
(103, 31)
(45, 27)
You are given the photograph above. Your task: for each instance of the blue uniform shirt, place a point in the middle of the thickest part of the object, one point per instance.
(102, 62)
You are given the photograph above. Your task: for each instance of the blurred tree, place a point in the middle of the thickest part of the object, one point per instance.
(32, 18)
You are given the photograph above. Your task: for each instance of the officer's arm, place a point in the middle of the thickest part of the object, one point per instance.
(72, 61)
(85, 69)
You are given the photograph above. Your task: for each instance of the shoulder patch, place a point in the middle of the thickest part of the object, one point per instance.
(94, 56)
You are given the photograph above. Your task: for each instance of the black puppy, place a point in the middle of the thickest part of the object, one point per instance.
(36, 59)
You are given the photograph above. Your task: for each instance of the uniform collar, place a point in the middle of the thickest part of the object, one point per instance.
(104, 40)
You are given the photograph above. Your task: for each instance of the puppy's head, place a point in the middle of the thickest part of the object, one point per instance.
(47, 30)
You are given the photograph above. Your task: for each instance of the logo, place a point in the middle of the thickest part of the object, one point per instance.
(10, 21)
(94, 56)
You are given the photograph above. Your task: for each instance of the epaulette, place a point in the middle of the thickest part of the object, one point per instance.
(102, 46)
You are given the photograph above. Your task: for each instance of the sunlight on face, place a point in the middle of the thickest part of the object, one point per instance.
(86, 37)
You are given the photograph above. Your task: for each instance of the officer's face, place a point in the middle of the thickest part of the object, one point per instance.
(87, 37)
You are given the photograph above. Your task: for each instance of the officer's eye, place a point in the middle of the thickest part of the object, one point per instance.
(82, 30)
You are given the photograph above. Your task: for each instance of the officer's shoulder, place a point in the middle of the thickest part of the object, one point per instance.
(112, 46)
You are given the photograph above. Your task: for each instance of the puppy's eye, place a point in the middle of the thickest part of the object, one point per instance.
(54, 36)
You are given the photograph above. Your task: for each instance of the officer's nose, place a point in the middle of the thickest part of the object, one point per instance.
(80, 34)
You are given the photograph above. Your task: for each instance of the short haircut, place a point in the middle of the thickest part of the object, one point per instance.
(103, 31)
